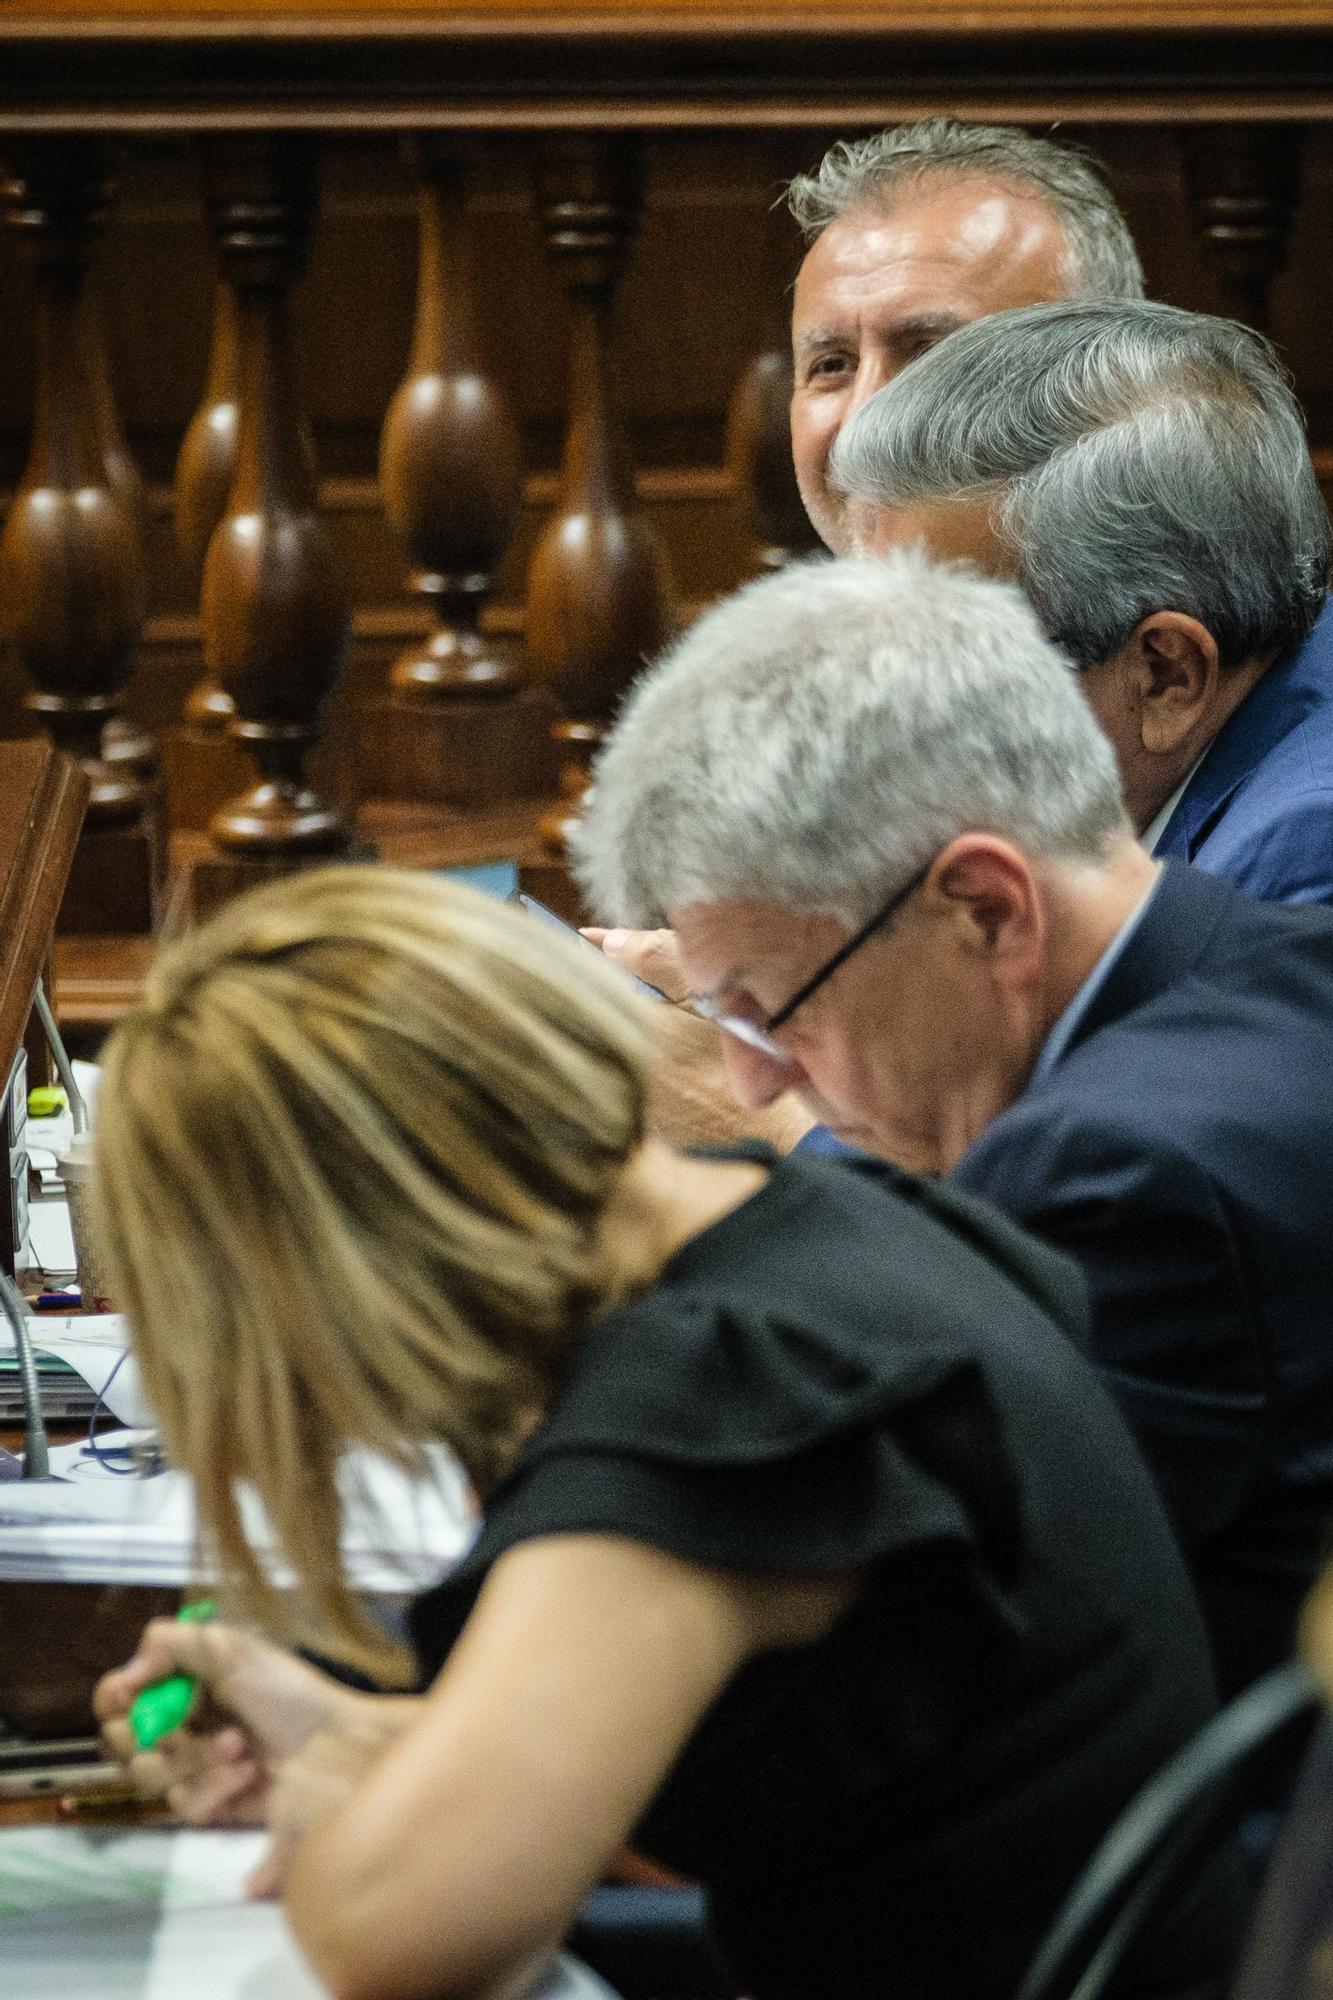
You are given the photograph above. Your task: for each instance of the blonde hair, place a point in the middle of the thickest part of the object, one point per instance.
(352, 1156)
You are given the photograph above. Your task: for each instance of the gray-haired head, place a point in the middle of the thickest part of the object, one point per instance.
(1100, 259)
(815, 739)
(1140, 459)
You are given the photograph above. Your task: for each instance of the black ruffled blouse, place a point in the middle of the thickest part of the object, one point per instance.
(858, 1370)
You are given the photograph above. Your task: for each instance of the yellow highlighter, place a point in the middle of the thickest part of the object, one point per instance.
(161, 1707)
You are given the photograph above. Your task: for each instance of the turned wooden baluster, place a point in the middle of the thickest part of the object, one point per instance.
(457, 725)
(599, 592)
(449, 459)
(1244, 184)
(273, 613)
(122, 740)
(71, 562)
(759, 417)
(205, 469)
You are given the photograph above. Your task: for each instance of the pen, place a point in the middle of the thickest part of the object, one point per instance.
(101, 1781)
(162, 1706)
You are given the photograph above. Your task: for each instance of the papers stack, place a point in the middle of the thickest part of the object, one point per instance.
(401, 1535)
(75, 1353)
(160, 1915)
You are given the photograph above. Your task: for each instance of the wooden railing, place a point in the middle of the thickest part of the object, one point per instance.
(524, 568)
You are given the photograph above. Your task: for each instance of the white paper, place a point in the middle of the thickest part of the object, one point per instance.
(400, 1535)
(50, 1237)
(160, 1914)
(91, 1344)
(67, 1867)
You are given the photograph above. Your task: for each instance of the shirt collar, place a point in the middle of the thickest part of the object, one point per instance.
(1062, 1033)
(1157, 825)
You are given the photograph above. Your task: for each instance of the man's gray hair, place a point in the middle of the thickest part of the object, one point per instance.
(1141, 459)
(1100, 258)
(818, 737)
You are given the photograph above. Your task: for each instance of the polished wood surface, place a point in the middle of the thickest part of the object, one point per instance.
(903, 17)
(536, 64)
(71, 568)
(273, 612)
(600, 594)
(42, 800)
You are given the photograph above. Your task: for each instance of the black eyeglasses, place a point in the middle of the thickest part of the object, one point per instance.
(759, 1034)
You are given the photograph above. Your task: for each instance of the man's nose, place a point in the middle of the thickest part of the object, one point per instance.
(871, 375)
(757, 1078)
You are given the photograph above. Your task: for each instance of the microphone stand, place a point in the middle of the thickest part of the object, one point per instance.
(36, 1464)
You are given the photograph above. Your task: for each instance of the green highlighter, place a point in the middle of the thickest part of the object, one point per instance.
(162, 1707)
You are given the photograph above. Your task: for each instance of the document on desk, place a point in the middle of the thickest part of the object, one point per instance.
(156, 1914)
(400, 1534)
(145, 1915)
(93, 1345)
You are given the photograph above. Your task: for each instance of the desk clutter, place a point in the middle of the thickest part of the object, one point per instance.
(161, 1914)
(86, 1525)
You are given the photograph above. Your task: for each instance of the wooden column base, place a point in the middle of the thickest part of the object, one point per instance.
(203, 768)
(458, 752)
(116, 878)
(205, 877)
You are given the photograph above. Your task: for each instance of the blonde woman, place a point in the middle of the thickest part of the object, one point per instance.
(813, 1557)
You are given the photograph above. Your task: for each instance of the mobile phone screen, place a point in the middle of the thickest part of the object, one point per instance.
(536, 909)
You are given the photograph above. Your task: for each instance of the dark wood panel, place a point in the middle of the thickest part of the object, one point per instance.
(696, 306)
(625, 62)
(42, 797)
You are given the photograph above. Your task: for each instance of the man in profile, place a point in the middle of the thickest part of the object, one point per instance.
(891, 841)
(1144, 474)
(920, 230)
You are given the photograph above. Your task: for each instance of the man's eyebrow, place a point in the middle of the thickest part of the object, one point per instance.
(818, 336)
(915, 327)
(927, 326)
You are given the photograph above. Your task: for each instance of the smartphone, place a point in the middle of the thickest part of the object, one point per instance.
(536, 909)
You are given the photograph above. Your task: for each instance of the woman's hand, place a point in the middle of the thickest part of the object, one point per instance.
(256, 1706)
(318, 1779)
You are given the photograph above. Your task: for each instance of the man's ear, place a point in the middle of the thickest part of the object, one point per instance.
(1172, 665)
(994, 899)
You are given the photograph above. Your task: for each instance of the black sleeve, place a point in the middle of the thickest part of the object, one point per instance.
(756, 1448)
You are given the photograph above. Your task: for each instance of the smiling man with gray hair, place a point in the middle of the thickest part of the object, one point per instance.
(921, 229)
(1144, 474)
(891, 840)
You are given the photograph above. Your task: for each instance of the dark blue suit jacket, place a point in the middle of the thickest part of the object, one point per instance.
(1259, 809)
(1182, 1149)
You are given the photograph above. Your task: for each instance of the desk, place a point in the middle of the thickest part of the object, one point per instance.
(61, 1637)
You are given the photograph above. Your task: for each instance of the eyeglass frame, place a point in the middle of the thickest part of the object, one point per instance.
(761, 1034)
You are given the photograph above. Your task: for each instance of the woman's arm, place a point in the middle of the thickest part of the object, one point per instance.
(583, 1670)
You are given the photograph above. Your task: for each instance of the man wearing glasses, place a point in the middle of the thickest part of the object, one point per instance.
(891, 840)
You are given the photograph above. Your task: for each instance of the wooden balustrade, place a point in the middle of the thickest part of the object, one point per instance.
(599, 592)
(204, 765)
(1209, 124)
(273, 611)
(71, 558)
(759, 415)
(1244, 182)
(459, 725)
